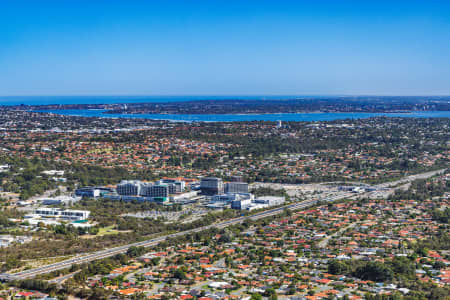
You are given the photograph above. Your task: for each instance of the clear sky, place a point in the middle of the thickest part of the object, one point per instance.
(224, 47)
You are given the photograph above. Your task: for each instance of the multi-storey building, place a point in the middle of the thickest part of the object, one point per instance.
(129, 188)
(156, 191)
(175, 186)
(236, 187)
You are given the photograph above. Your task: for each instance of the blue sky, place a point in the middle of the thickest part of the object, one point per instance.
(224, 47)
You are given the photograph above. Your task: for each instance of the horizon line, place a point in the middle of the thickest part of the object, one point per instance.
(230, 95)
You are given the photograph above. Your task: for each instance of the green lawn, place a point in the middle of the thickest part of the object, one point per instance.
(107, 230)
(102, 231)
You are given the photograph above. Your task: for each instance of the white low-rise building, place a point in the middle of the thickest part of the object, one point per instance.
(4, 168)
(218, 284)
(184, 196)
(262, 202)
(230, 197)
(59, 200)
(6, 240)
(270, 200)
(53, 172)
(35, 220)
(67, 214)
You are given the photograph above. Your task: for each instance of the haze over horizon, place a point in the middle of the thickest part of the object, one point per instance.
(224, 48)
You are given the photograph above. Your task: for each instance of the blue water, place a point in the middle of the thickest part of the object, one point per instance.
(309, 117)
(46, 100)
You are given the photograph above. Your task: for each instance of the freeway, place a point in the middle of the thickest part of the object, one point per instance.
(152, 242)
(61, 279)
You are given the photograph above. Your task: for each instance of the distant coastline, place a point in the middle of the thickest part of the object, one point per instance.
(107, 100)
(237, 105)
(237, 108)
(284, 117)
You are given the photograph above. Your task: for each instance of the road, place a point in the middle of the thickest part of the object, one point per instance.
(61, 279)
(152, 242)
(323, 243)
(410, 178)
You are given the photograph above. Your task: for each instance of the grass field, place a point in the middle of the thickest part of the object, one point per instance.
(109, 230)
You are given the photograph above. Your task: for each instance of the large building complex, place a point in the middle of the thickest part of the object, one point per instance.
(243, 201)
(93, 192)
(175, 186)
(129, 188)
(211, 186)
(267, 201)
(160, 190)
(241, 204)
(232, 194)
(236, 187)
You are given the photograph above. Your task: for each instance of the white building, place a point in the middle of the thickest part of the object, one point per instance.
(53, 172)
(228, 198)
(241, 204)
(4, 168)
(269, 200)
(234, 200)
(184, 196)
(175, 186)
(67, 214)
(6, 240)
(58, 200)
(264, 202)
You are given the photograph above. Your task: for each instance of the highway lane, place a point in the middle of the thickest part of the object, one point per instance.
(61, 279)
(152, 242)
(148, 243)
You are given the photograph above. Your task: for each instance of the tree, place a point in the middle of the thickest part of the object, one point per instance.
(256, 296)
(270, 292)
(99, 293)
(179, 274)
(375, 271)
(337, 267)
(134, 251)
